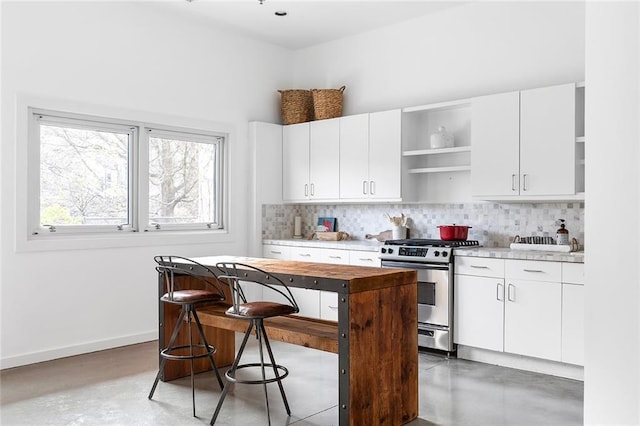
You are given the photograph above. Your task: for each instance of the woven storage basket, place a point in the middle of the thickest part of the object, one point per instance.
(327, 103)
(295, 106)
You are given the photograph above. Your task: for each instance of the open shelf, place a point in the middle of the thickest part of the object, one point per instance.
(440, 169)
(436, 151)
(460, 103)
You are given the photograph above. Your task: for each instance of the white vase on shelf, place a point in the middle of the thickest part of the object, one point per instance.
(441, 139)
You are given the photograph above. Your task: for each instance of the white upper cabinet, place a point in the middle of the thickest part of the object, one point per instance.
(324, 164)
(354, 156)
(495, 157)
(310, 163)
(547, 140)
(524, 144)
(295, 162)
(370, 158)
(385, 160)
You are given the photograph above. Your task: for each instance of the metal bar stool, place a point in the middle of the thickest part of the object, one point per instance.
(170, 268)
(236, 275)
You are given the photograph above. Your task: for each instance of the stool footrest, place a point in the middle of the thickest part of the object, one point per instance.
(268, 367)
(209, 351)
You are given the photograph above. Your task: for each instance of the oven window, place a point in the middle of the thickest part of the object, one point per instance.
(426, 293)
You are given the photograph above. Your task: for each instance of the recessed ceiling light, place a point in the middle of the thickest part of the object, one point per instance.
(281, 13)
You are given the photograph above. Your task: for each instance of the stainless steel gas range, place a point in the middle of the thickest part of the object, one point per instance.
(433, 260)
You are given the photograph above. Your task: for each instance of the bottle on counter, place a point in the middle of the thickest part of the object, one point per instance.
(562, 235)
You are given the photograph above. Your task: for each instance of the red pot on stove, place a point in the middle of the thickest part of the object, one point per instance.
(453, 232)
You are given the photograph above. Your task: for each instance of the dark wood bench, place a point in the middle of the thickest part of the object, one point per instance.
(297, 330)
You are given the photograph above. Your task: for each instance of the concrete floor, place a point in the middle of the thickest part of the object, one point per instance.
(111, 387)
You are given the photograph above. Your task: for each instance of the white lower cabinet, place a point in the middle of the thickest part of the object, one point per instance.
(364, 258)
(522, 309)
(308, 301)
(479, 312)
(573, 313)
(532, 318)
(329, 306)
(271, 251)
(305, 254)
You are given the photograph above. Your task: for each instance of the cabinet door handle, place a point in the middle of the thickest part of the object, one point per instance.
(524, 182)
(275, 252)
(372, 187)
(509, 296)
(479, 266)
(334, 308)
(365, 259)
(533, 270)
(312, 190)
(513, 183)
(500, 292)
(306, 189)
(335, 257)
(305, 255)
(364, 187)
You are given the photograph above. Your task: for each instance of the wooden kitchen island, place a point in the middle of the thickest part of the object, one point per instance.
(376, 336)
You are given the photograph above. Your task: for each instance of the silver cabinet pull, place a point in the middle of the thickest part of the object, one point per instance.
(333, 308)
(305, 255)
(533, 270)
(366, 259)
(275, 252)
(364, 187)
(513, 182)
(524, 182)
(335, 257)
(479, 266)
(500, 292)
(306, 189)
(372, 187)
(509, 296)
(312, 190)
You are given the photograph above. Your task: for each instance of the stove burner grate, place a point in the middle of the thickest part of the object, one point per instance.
(432, 243)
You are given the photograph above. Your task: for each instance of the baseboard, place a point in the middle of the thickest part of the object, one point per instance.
(98, 345)
(520, 362)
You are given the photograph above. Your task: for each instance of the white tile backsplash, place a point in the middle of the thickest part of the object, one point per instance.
(493, 224)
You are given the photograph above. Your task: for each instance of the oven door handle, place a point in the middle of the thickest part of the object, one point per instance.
(412, 265)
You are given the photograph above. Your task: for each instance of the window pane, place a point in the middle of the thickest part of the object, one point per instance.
(84, 176)
(182, 181)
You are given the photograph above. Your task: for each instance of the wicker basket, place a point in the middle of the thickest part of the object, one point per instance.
(327, 103)
(295, 106)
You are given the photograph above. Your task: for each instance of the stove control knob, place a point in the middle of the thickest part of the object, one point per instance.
(436, 253)
(445, 253)
(383, 250)
(390, 251)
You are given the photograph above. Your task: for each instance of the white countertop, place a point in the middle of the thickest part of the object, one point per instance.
(361, 245)
(500, 253)
(507, 253)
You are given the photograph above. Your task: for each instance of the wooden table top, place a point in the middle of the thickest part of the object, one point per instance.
(357, 278)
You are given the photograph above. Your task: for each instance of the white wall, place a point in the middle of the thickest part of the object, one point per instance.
(133, 57)
(612, 296)
(475, 49)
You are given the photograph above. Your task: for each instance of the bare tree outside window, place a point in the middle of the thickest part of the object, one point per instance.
(83, 176)
(92, 177)
(181, 181)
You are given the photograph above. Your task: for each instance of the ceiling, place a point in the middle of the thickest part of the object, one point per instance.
(308, 22)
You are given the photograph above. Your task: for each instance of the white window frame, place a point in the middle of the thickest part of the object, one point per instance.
(38, 117)
(27, 179)
(192, 136)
